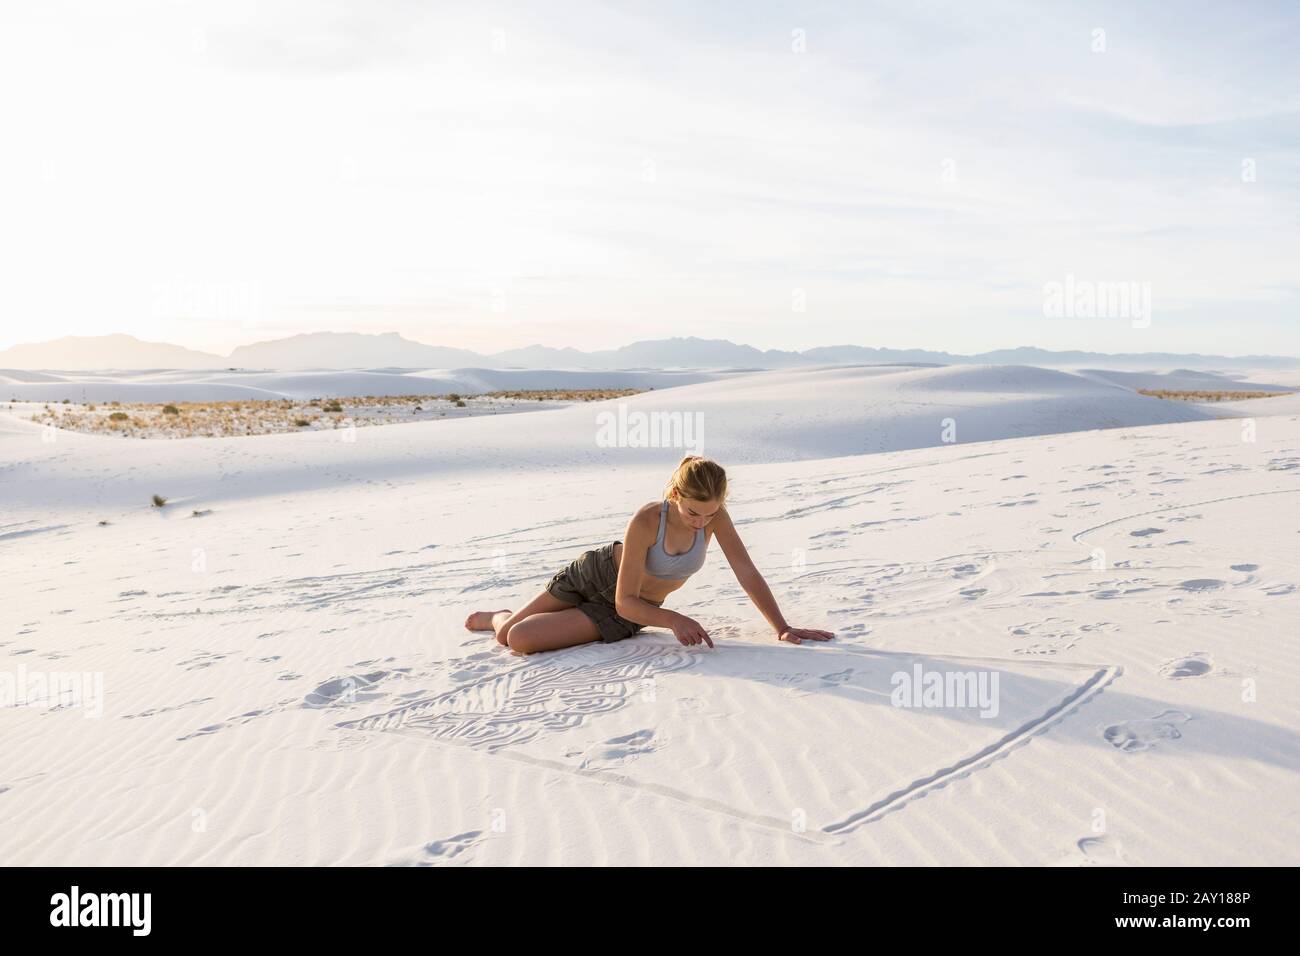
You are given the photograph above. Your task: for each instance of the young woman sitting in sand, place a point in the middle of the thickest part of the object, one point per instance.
(612, 592)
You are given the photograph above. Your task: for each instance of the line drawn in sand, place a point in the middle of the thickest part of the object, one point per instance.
(500, 713)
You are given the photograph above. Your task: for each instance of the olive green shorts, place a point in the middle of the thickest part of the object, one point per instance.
(588, 584)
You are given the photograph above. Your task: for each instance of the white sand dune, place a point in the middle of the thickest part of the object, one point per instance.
(174, 385)
(286, 678)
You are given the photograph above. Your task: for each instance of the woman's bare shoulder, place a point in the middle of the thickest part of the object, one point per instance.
(723, 519)
(647, 510)
(647, 516)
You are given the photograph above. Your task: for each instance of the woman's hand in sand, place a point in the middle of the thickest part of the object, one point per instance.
(688, 631)
(797, 635)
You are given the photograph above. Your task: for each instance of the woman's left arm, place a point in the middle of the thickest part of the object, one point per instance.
(743, 567)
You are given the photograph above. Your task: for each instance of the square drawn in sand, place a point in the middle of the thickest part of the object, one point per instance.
(802, 739)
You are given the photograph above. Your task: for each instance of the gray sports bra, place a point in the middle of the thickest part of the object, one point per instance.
(660, 564)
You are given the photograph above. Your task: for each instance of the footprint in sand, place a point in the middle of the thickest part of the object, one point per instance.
(839, 677)
(440, 851)
(1102, 851)
(204, 731)
(618, 750)
(1201, 584)
(1132, 736)
(1097, 851)
(345, 690)
(1196, 664)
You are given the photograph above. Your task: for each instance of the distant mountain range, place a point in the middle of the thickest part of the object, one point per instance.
(350, 350)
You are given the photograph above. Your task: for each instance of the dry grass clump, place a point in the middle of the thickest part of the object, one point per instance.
(274, 416)
(1205, 395)
(565, 394)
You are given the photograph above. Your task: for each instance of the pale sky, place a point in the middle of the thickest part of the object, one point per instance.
(492, 175)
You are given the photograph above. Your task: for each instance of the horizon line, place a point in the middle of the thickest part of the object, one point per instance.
(675, 338)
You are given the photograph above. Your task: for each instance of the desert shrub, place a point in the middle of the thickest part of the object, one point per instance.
(459, 403)
(301, 422)
(159, 501)
(171, 410)
(1205, 395)
(118, 416)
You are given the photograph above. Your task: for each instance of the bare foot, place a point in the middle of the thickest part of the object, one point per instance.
(481, 620)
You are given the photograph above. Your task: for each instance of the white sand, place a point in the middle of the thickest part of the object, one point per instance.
(286, 679)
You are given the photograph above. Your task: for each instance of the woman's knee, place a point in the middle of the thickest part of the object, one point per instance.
(518, 638)
(509, 625)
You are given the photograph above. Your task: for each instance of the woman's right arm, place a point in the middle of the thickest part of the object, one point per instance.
(637, 539)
